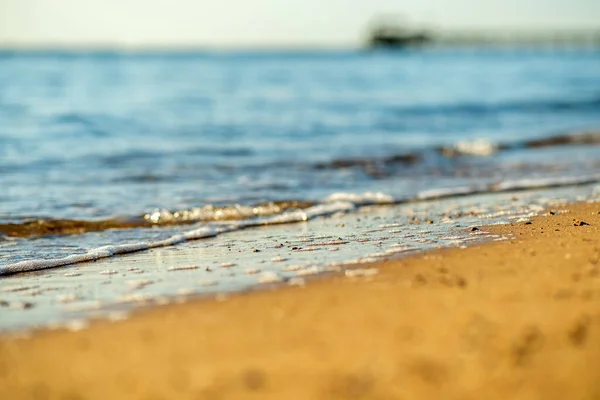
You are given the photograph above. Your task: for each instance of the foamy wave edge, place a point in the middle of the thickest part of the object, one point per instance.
(196, 234)
(335, 203)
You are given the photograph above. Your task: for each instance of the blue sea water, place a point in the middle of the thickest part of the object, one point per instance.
(156, 137)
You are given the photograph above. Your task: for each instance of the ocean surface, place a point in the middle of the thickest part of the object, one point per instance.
(102, 154)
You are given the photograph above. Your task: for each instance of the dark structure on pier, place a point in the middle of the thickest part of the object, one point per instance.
(390, 32)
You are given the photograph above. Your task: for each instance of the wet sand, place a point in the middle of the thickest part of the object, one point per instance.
(516, 319)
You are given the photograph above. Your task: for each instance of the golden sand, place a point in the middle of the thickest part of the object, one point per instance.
(514, 319)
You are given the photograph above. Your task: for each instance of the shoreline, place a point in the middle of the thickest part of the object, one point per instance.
(510, 319)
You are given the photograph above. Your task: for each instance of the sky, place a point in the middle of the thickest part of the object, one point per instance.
(242, 23)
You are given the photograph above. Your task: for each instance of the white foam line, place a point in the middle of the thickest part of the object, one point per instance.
(196, 234)
(521, 184)
(361, 199)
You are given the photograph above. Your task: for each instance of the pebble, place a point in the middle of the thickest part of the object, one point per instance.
(579, 223)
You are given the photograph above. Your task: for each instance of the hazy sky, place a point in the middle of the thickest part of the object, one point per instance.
(264, 22)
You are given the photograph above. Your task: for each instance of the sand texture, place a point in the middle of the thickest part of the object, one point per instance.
(513, 319)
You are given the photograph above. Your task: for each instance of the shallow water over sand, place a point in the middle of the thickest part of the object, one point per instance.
(288, 254)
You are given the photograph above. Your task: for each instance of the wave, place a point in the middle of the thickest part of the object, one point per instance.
(285, 213)
(200, 233)
(161, 217)
(478, 147)
(481, 109)
(375, 167)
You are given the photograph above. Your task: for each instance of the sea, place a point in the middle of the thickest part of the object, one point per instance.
(136, 178)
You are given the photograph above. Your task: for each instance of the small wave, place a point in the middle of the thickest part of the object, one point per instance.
(32, 227)
(196, 234)
(407, 159)
(131, 157)
(377, 167)
(47, 227)
(362, 199)
(335, 203)
(591, 137)
(538, 183)
(211, 212)
(478, 109)
(207, 213)
(477, 147)
(484, 147)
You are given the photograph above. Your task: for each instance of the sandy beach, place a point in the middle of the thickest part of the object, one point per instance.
(517, 319)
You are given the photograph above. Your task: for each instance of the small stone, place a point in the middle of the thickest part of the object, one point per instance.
(580, 223)
(474, 229)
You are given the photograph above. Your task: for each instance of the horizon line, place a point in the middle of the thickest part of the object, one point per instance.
(446, 37)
